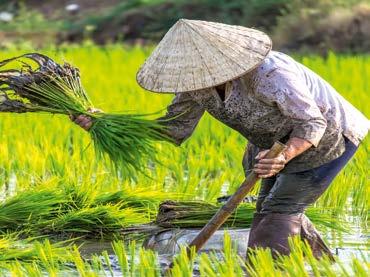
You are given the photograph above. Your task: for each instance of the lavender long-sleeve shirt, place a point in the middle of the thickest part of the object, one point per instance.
(280, 99)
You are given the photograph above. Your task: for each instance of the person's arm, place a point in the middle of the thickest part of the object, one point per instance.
(269, 167)
(293, 98)
(84, 121)
(182, 116)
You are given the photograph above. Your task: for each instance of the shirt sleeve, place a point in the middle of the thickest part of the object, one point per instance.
(294, 99)
(182, 116)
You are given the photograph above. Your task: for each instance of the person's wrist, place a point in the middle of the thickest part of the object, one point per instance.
(286, 157)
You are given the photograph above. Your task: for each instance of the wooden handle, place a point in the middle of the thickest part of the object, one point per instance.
(275, 150)
(229, 207)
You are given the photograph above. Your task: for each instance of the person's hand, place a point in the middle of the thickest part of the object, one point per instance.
(265, 168)
(84, 121)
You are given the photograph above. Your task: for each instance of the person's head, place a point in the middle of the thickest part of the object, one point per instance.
(196, 55)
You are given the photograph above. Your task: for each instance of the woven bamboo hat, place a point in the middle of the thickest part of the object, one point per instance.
(197, 54)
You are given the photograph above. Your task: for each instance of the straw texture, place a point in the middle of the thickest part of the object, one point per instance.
(197, 54)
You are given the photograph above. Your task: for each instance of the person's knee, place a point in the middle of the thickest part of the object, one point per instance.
(261, 198)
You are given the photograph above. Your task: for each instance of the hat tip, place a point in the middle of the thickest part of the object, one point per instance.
(183, 20)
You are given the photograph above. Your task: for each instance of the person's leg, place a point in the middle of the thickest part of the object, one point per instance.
(283, 207)
(293, 192)
(266, 186)
(314, 240)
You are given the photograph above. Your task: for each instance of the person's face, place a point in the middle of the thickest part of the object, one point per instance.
(220, 87)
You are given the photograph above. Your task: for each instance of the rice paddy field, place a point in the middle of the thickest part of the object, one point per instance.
(56, 195)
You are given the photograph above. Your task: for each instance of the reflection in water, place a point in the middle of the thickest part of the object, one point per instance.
(9, 186)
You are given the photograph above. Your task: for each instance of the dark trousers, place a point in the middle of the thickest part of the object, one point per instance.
(291, 193)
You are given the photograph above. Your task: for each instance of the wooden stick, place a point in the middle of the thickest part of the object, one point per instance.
(230, 206)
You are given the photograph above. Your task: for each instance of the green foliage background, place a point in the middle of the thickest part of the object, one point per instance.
(305, 25)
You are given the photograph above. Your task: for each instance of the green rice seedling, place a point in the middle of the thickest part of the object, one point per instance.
(360, 267)
(83, 269)
(149, 265)
(96, 264)
(300, 262)
(136, 262)
(183, 265)
(25, 269)
(107, 261)
(32, 250)
(206, 267)
(121, 254)
(261, 263)
(230, 264)
(125, 138)
(16, 269)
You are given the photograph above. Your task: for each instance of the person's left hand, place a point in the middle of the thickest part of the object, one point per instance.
(84, 121)
(265, 168)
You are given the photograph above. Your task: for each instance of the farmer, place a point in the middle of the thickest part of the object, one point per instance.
(231, 72)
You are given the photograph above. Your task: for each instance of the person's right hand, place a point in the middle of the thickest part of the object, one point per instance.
(84, 121)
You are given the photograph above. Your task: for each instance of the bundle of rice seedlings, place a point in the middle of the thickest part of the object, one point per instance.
(93, 222)
(21, 211)
(127, 139)
(196, 214)
(63, 213)
(134, 198)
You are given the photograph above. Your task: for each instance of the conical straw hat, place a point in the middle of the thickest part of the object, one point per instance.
(197, 54)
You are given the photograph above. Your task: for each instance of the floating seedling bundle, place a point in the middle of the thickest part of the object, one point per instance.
(127, 139)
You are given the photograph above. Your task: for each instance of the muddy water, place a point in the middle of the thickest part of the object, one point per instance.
(166, 244)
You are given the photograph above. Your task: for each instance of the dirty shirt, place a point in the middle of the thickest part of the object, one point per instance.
(278, 100)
